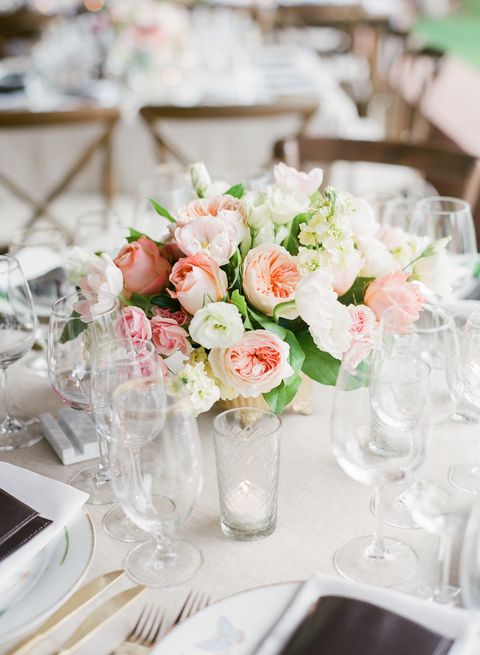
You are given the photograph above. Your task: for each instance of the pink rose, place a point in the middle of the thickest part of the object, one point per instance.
(144, 270)
(134, 324)
(179, 316)
(207, 235)
(362, 330)
(168, 336)
(198, 279)
(227, 210)
(255, 364)
(171, 252)
(163, 367)
(293, 180)
(270, 275)
(393, 290)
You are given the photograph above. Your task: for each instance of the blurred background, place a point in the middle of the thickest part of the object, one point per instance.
(103, 103)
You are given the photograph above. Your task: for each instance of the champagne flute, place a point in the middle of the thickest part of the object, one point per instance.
(115, 361)
(77, 324)
(41, 251)
(18, 325)
(378, 437)
(439, 217)
(156, 450)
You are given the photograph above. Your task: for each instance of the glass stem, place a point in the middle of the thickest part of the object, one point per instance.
(8, 420)
(441, 594)
(104, 472)
(164, 551)
(377, 549)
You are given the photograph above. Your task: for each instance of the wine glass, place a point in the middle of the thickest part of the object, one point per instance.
(100, 230)
(398, 212)
(470, 561)
(465, 476)
(439, 217)
(156, 450)
(113, 362)
(18, 325)
(378, 437)
(77, 324)
(432, 337)
(41, 251)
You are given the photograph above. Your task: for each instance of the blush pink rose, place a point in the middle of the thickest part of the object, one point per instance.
(270, 275)
(362, 330)
(207, 235)
(180, 317)
(143, 268)
(134, 324)
(198, 280)
(226, 209)
(255, 364)
(168, 336)
(393, 290)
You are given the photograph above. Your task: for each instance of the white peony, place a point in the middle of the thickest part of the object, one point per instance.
(377, 259)
(329, 321)
(195, 381)
(292, 180)
(218, 325)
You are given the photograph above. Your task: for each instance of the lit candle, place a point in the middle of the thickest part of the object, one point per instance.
(247, 505)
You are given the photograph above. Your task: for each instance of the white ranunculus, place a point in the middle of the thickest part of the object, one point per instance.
(200, 179)
(329, 321)
(434, 272)
(218, 325)
(77, 263)
(377, 259)
(296, 181)
(258, 210)
(359, 213)
(284, 205)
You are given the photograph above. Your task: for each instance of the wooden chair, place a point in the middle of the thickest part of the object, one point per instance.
(106, 117)
(451, 173)
(153, 114)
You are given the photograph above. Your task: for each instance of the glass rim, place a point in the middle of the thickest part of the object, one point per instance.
(463, 205)
(264, 412)
(86, 295)
(474, 318)
(12, 262)
(150, 379)
(447, 316)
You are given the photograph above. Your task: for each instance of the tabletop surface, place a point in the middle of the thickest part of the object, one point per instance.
(319, 509)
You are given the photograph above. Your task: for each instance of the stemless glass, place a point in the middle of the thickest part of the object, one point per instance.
(100, 230)
(156, 450)
(41, 252)
(73, 335)
(464, 476)
(439, 217)
(113, 362)
(432, 337)
(378, 404)
(18, 325)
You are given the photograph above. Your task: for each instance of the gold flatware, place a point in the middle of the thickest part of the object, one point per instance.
(75, 603)
(144, 633)
(98, 617)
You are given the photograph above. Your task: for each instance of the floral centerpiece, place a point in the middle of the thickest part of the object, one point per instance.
(250, 290)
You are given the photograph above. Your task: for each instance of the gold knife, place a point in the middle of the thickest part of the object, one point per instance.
(78, 600)
(98, 617)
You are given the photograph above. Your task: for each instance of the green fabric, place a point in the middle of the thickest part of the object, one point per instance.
(458, 34)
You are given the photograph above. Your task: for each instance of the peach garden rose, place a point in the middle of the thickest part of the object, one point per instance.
(227, 210)
(197, 280)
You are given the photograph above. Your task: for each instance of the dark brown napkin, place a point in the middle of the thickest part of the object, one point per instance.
(346, 626)
(18, 523)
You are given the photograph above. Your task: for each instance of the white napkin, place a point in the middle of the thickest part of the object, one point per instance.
(52, 499)
(450, 622)
(38, 261)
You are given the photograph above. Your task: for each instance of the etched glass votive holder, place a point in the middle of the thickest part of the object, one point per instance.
(247, 449)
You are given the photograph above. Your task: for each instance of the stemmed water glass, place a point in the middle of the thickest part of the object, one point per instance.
(378, 437)
(432, 337)
(18, 325)
(100, 230)
(78, 323)
(439, 217)
(470, 562)
(463, 476)
(156, 450)
(115, 361)
(41, 251)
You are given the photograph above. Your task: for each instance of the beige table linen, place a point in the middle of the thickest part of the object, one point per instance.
(319, 509)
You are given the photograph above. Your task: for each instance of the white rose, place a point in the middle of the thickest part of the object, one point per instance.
(200, 179)
(377, 259)
(284, 205)
(218, 325)
(359, 213)
(296, 181)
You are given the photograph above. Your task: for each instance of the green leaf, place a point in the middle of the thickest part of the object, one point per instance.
(237, 191)
(239, 301)
(135, 235)
(356, 294)
(234, 270)
(318, 365)
(265, 323)
(279, 397)
(161, 210)
(165, 302)
(281, 307)
(73, 328)
(142, 301)
(476, 272)
(297, 356)
(291, 242)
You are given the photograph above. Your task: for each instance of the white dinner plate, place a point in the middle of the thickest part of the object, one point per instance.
(54, 573)
(236, 625)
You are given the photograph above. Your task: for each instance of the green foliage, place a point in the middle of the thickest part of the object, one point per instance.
(356, 294)
(237, 191)
(135, 235)
(318, 365)
(161, 210)
(73, 328)
(165, 302)
(281, 307)
(279, 397)
(297, 356)
(291, 242)
(263, 322)
(234, 270)
(239, 301)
